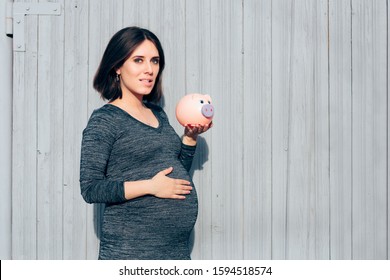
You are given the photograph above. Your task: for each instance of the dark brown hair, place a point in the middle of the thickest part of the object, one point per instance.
(118, 50)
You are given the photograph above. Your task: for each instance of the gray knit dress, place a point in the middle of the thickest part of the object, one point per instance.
(117, 148)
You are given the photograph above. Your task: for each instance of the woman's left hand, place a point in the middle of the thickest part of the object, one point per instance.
(191, 132)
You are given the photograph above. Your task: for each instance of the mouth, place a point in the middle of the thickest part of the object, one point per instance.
(147, 82)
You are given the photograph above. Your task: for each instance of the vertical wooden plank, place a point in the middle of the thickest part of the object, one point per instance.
(282, 22)
(198, 79)
(320, 45)
(303, 190)
(300, 189)
(6, 58)
(306, 163)
(257, 134)
(132, 15)
(369, 124)
(50, 137)
(75, 91)
(388, 137)
(227, 138)
(24, 147)
(340, 98)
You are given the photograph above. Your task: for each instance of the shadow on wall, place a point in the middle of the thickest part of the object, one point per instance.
(201, 157)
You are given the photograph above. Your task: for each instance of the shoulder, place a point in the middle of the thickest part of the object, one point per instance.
(106, 115)
(106, 112)
(102, 120)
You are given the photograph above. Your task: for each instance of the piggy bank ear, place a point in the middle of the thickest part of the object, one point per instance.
(208, 97)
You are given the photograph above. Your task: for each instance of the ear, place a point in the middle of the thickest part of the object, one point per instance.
(118, 71)
(208, 96)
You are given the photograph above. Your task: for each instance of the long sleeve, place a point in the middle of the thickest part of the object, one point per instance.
(96, 147)
(186, 156)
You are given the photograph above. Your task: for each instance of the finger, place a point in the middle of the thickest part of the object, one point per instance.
(182, 191)
(194, 126)
(178, 197)
(207, 127)
(167, 171)
(190, 128)
(201, 129)
(178, 192)
(182, 182)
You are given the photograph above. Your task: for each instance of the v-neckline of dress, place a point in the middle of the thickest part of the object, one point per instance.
(137, 120)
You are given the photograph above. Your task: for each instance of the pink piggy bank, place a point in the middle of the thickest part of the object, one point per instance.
(194, 109)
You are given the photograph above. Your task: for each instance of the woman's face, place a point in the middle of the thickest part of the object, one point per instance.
(138, 73)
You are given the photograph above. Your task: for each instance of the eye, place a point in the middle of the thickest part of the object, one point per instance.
(138, 60)
(155, 61)
(209, 102)
(201, 102)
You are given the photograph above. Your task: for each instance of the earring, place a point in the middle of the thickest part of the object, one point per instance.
(117, 77)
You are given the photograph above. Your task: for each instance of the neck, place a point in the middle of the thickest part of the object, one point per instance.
(130, 101)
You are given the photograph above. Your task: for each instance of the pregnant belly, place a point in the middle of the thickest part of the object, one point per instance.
(151, 219)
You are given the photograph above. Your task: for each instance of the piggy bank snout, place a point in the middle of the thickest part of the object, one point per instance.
(208, 110)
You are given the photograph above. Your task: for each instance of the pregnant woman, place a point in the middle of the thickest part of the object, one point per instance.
(132, 159)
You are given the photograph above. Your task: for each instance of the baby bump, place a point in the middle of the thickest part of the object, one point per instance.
(149, 217)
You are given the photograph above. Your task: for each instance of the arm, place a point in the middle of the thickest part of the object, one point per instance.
(95, 152)
(189, 143)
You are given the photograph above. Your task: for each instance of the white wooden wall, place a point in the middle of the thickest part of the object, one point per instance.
(297, 163)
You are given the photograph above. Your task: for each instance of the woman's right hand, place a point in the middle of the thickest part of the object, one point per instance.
(166, 187)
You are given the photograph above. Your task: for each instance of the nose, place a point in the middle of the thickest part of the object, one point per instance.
(208, 110)
(149, 68)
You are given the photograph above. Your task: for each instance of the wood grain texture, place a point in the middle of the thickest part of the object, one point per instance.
(340, 99)
(296, 165)
(301, 130)
(282, 21)
(24, 147)
(226, 155)
(369, 125)
(388, 143)
(76, 87)
(257, 130)
(50, 100)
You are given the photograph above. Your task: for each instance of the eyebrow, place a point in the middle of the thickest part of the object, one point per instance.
(142, 56)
